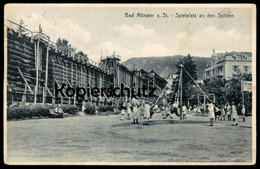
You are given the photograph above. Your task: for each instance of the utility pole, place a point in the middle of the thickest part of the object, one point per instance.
(242, 90)
(148, 78)
(181, 66)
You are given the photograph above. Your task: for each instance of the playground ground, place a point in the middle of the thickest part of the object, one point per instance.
(108, 139)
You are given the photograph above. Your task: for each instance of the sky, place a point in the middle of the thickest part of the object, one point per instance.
(103, 29)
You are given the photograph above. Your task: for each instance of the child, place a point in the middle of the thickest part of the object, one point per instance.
(141, 107)
(198, 110)
(223, 113)
(95, 109)
(136, 115)
(83, 107)
(122, 107)
(195, 109)
(243, 111)
(167, 111)
(128, 109)
(175, 109)
(147, 111)
(217, 113)
(184, 111)
(152, 110)
(156, 108)
(234, 114)
(228, 109)
(211, 113)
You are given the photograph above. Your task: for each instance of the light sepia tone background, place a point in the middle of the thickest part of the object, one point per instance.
(96, 28)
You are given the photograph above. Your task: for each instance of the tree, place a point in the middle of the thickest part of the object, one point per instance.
(217, 86)
(62, 45)
(233, 91)
(229, 90)
(187, 83)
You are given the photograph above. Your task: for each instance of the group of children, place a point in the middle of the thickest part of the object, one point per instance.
(229, 110)
(140, 108)
(171, 109)
(136, 109)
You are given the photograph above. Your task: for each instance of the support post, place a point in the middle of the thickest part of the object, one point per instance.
(148, 87)
(37, 70)
(204, 104)
(46, 75)
(242, 90)
(24, 94)
(181, 92)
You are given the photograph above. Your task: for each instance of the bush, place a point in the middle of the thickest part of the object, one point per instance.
(70, 109)
(89, 109)
(105, 108)
(22, 112)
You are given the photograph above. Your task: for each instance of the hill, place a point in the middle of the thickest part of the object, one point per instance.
(165, 65)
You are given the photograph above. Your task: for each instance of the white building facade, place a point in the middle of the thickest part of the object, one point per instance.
(226, 65)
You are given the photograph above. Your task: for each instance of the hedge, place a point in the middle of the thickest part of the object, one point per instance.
(89, 109)
(23, 112)
(106, 108)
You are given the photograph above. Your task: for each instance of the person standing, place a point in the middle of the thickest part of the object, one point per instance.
(184, 111)
(147, 111)
(211, 113)
(152, 110)
(243, 112)
(217, 113)
(195, 109)
(228, 109)
(223, 113)
(128, 109)
(135, 104)
(198, 110)
(234, 114)
(122, 107)
(56, 109)
(141, 107)
(83, 107)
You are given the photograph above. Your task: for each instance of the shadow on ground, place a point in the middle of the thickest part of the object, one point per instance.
(159, 122)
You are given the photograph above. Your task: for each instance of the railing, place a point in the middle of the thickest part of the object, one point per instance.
(11, 23)
(41, 35)
(35, 35)
(93, 63)
(111, 57)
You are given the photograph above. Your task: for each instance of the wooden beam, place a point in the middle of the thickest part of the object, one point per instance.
(37, 46)
(56, 81)
(25, 80)
(46, 73)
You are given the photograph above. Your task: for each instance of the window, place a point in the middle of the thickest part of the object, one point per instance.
(221, 69)
(235, 68)
(246, 69)
(246, 58)
(207, 73)
(235, 57)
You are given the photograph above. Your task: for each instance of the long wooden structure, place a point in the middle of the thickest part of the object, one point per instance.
(34, 62)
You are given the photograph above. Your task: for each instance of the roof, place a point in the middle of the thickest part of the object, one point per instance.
(158, 76)
(238, 53)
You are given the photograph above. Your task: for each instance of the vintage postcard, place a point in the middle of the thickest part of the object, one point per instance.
(130, 84)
